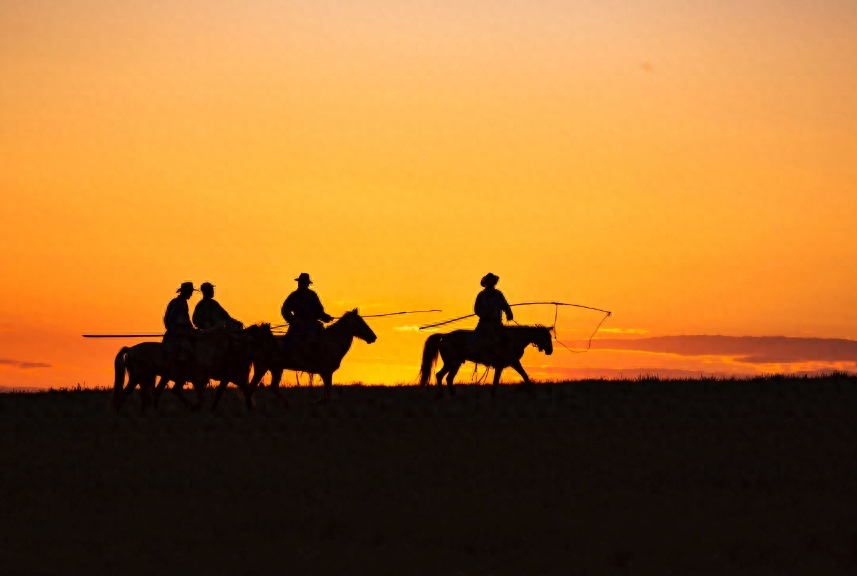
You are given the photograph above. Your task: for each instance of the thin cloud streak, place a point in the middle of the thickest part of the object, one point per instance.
(23, 365)
(742, 349)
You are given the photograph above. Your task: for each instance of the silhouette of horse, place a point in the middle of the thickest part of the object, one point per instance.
(143, 363)
(454, 351)
(332, 346)
(225, 356)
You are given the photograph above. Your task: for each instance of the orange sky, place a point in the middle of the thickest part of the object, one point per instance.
(690, 166)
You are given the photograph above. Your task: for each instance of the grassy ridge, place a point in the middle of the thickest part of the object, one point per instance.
(645, 476)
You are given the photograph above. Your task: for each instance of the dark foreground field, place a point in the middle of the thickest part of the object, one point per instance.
(662, 477)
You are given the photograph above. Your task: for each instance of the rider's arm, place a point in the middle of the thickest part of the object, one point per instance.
(286, 311)
(479, 306)
(221, 313)
(507, 309)
(323, 316)
(182, 317)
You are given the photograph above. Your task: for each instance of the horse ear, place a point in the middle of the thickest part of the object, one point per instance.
(354, 311)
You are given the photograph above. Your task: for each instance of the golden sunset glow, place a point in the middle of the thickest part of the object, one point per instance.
(691, 167)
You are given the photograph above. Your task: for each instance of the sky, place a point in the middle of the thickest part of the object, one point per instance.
(689, 166)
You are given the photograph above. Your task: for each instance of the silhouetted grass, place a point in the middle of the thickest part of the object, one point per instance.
(725, 476)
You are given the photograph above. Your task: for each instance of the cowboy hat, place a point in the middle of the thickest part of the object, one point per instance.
(489, 280)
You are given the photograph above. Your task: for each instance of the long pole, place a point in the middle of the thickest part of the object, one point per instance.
(123, 335)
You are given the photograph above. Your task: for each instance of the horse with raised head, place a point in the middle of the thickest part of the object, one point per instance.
(324, 358)
(454, 350)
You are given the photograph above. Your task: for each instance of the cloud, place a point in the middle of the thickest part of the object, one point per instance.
(23, 365)
(744, 349)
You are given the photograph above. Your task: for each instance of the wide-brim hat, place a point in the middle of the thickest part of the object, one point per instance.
(304, 277)
(489, 280)
(186, 286)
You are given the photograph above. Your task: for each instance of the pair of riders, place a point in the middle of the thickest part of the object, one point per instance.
(304, 313)
(208, 316)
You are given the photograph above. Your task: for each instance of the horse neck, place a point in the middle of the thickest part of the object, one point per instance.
(524, 335)
(339, 336)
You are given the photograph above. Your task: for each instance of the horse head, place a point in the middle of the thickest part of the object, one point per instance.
(358, 327)
(543, 340)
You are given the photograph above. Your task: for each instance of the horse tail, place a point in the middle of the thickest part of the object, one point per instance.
(119, 365)
(430, 352)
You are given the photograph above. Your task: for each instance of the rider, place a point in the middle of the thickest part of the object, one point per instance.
(489, 307)
(209, 313)
(177, 323)
(304, 313)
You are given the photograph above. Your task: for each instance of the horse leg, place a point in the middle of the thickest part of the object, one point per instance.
(250, 388)
(122, 394)
(221, 386)
(276, 375)
(528, 385)
(439, 376)
(177, 390)
(199, 387)
(498, 370)
(156, 393)
(327, 378)
(450, 378)
(146, 387)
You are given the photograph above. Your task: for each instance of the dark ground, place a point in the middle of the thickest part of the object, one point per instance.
(596, 477)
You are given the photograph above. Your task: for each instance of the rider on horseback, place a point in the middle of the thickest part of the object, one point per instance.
(210, 314)
(305, 314)
(177, 322)
(490, 306)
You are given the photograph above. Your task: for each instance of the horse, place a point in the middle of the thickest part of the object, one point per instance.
(333, 343)
(143, 363)
(219, 355)
(454, 351)
(222, 355)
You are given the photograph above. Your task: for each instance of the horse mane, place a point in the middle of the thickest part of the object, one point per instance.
(341, 318)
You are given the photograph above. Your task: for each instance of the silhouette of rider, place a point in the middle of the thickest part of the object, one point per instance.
(489, 307)
(208, 312)
(177, 323)
(305, 314)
